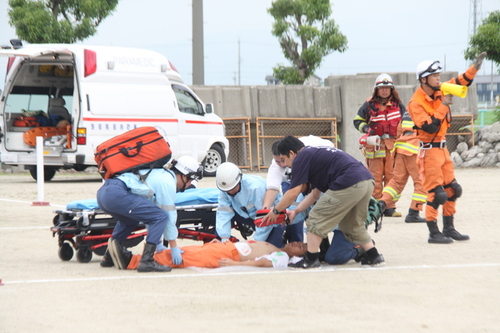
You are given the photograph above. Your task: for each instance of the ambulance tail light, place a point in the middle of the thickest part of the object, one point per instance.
(173, 67)
(9, 64)
(81, 136)
(90, 62)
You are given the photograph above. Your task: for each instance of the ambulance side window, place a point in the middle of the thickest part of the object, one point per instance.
(186, 101)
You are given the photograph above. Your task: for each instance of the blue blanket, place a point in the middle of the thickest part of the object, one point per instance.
(193, 196)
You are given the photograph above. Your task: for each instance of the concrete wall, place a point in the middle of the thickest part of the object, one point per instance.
(341, 97)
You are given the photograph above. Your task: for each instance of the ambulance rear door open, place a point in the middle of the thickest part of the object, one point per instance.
(33, 78)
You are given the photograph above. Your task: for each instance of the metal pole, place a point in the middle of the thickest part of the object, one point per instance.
(198, 55)
(39, 173)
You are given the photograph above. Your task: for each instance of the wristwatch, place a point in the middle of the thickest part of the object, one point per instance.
(275, 211)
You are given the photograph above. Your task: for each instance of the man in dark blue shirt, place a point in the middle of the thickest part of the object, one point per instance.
(341, 191)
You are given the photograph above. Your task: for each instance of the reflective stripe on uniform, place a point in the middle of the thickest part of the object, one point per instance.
(419, 197)
(407, 146)
(167, 208)
(225, 209)
(392, 192)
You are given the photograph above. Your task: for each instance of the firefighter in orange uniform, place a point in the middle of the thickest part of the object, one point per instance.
(430, 110)
(380, 116)
(405, 165)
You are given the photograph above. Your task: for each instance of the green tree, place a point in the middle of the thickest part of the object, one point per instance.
(486, 39)
(58, 21)
(306, 35)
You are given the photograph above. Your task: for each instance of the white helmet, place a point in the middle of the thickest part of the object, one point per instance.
(188, 166)
(383, 80)
(228, 175)
(428, 67)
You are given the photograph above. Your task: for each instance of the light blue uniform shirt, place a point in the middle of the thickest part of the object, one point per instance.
(245, 203)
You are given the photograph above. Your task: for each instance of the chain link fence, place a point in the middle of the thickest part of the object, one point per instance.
(462, 126)
(270, 129)
(238, 134)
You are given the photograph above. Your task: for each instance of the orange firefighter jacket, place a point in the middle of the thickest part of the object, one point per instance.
(422, 107)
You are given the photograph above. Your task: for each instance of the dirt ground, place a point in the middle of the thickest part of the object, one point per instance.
(423, 288)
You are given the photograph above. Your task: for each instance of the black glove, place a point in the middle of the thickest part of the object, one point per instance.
(365, 128)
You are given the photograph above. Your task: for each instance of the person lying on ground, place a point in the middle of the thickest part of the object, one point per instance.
(218, 254)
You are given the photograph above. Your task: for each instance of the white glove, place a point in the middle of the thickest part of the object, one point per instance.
(479, 60)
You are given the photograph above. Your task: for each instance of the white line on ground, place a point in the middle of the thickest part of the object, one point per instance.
(24, 228)
(29, 202)
(218, 272)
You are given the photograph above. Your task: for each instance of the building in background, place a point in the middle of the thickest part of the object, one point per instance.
(488, 91)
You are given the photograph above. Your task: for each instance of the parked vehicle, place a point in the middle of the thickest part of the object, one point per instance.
(80, 96)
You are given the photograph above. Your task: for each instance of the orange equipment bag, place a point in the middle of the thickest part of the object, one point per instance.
(140, 148)
(23, 121)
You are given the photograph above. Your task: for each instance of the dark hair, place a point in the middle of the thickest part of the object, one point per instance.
(289, 143)
(274, 147)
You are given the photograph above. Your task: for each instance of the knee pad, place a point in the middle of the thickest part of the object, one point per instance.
(457, 188)
(440, 195)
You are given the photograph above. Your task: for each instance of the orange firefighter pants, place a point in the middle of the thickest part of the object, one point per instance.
(404, 167)
(381, 169)
(206, 255)
(437, 169)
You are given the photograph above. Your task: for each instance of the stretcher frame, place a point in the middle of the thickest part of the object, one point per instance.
(87, 231)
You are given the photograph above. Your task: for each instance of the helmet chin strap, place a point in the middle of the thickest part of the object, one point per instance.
(183, 184)
(428, 85)
(384, 100)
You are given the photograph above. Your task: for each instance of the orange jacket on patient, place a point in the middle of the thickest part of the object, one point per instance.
(207, 255)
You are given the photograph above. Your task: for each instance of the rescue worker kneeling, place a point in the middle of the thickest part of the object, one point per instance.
(152, 202)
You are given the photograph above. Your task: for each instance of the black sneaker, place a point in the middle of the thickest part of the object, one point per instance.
(304, 263)
(378, 261)
(120, 255)
(107, 261)
(360, 255)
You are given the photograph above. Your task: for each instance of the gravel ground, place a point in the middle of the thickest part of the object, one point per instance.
(423, 288)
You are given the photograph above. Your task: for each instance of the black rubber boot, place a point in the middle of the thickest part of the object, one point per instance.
(450, 231)
(148, 263)
(414, 217)
(435, 236)
(391, 212)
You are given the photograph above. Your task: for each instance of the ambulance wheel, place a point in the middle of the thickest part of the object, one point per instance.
(48, 172)
(84, 255)
(65, 252)
(215, 157)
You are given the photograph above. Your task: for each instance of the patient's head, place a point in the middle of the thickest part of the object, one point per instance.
(295, 249)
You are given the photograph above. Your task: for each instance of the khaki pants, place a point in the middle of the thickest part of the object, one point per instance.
(347, 208)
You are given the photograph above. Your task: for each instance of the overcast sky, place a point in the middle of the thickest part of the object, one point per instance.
(383, 35)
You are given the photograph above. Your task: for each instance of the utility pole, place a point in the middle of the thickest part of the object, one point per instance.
(239, 63)
(198, 54)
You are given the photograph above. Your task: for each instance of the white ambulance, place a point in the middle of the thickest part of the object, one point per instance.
(100, 92)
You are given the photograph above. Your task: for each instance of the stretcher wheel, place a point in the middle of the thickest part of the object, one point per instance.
(84, 255)
(65, 252)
